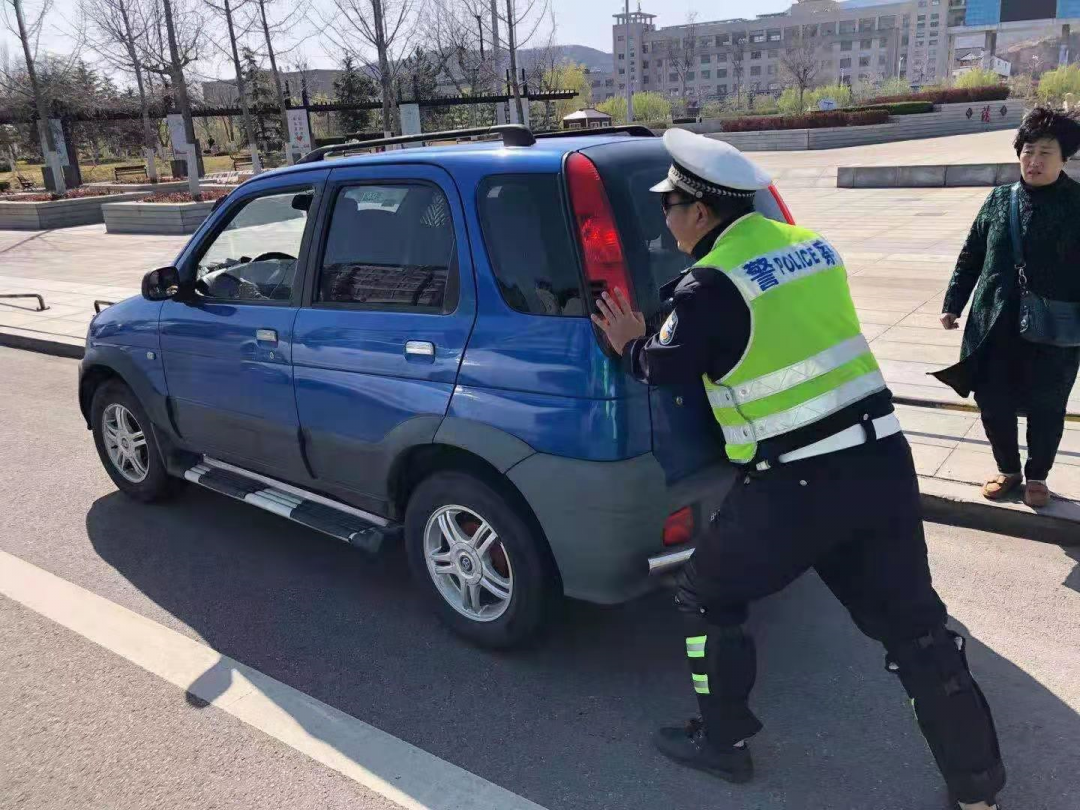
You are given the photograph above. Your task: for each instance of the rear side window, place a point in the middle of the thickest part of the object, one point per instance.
(523, 218)
(392, 247)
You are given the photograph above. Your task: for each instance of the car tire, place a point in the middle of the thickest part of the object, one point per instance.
(120, 423)
(517, 555)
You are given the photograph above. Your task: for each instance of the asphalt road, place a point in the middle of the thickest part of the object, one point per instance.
(566, 724)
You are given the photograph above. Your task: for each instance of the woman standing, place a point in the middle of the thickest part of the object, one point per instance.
(1008, 373)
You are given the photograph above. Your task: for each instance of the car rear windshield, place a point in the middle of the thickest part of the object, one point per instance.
(629, 169)
(524, 220)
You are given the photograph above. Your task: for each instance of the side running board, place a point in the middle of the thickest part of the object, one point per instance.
(355, 526)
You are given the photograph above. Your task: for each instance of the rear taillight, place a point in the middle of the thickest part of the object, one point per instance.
(679, 527)
(783, 206)
(605, 262)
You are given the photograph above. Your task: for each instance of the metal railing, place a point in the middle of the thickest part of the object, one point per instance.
(40, 300)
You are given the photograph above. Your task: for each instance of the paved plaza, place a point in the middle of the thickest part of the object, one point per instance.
(900, 246)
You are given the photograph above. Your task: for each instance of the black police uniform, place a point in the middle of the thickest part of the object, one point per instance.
(854, 516)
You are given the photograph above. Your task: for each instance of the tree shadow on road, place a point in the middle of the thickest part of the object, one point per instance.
(566, 723)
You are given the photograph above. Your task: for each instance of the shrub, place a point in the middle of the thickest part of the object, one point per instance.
(978, 77)
(898, 108)
(956, 95)
(651, 107)
(833, 118)
(712, 109)
(789, 101)
(1055, 84)
(840, 93)
(207, 194)
(764, 104)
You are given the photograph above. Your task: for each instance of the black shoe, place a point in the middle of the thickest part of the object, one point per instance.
(688, 746)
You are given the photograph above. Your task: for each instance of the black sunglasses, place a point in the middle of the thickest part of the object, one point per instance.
(667, 205)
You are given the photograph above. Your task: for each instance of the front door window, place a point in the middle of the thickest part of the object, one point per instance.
(254, 257)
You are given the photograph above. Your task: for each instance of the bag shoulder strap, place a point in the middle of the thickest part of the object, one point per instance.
(1014, 226)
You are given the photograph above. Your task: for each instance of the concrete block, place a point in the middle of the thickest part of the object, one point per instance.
(1007, 174)
(876, 176)
(156, 218)
(845, 177)
(920, 176)
(971, 174)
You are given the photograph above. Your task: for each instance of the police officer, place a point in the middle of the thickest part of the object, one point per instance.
(825, 476)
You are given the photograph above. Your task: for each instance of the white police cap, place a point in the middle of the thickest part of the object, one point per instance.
(703, 166)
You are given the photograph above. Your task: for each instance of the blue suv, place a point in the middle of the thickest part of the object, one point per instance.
(396, 347)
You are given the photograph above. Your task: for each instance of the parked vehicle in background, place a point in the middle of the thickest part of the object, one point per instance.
(395, 347)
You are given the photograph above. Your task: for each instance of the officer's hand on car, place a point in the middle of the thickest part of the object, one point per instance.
(618, 320)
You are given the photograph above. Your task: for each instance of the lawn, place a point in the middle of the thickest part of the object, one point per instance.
(104, 171)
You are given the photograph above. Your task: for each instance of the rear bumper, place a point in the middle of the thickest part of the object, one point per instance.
(604, 521)
(666, 563)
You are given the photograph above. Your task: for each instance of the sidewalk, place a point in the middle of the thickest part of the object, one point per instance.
(953, 459)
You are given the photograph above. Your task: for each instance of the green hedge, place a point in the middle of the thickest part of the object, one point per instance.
(818, 120)
(897, 108)
(953, 95)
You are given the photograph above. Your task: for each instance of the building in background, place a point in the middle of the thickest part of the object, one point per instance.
(602, 83)
(1032, 35)
(859, 40)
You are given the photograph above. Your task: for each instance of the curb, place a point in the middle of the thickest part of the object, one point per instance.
(956, 504)
(55, 348)
(958, 406)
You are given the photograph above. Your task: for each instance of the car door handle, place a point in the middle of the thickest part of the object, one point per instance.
(420, 348)
(266, 336)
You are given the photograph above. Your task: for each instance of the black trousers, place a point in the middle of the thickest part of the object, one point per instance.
(1016, 377)
(854, 517)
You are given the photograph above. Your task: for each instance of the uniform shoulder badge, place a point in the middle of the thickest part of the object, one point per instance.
(667, 331)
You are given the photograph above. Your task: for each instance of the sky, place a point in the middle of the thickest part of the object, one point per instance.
(578, 22)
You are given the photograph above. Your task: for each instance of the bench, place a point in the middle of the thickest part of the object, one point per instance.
(242, 163)
(130, 171)
(24, 184)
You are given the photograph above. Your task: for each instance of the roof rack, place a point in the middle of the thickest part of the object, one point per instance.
(512, 135)
(633, 130)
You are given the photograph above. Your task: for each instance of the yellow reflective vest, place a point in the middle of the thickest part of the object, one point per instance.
(807, 357)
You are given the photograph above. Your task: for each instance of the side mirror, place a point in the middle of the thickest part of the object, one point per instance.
(302, 202)
(161, 284)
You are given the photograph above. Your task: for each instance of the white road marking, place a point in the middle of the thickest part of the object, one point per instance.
(379, 761)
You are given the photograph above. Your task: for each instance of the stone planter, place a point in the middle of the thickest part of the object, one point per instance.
(156, 188)
(156, 218)
(51, 214)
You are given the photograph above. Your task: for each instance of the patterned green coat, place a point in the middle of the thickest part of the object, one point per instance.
(985, 274)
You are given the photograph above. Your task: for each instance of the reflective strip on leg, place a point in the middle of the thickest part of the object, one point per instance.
(701, 684)
(695, 647)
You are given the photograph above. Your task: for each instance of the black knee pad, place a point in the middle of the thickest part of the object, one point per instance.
(953, 713)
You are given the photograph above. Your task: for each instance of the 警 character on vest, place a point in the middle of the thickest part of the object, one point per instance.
(765, 319)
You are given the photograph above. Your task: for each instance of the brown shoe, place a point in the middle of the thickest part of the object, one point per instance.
(1036, 494)
(1001, 486)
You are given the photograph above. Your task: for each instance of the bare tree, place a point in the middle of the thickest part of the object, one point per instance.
(170, 46)
(681, 53)
(219, 97)
(269, 27)
(385, 25)
(28, 34)
(522, 22)
(800, 64)
(226, 11)
(118, 27)
(456, 32)
(738, 67)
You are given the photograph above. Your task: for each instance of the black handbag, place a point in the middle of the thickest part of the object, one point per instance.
(1042, 320)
